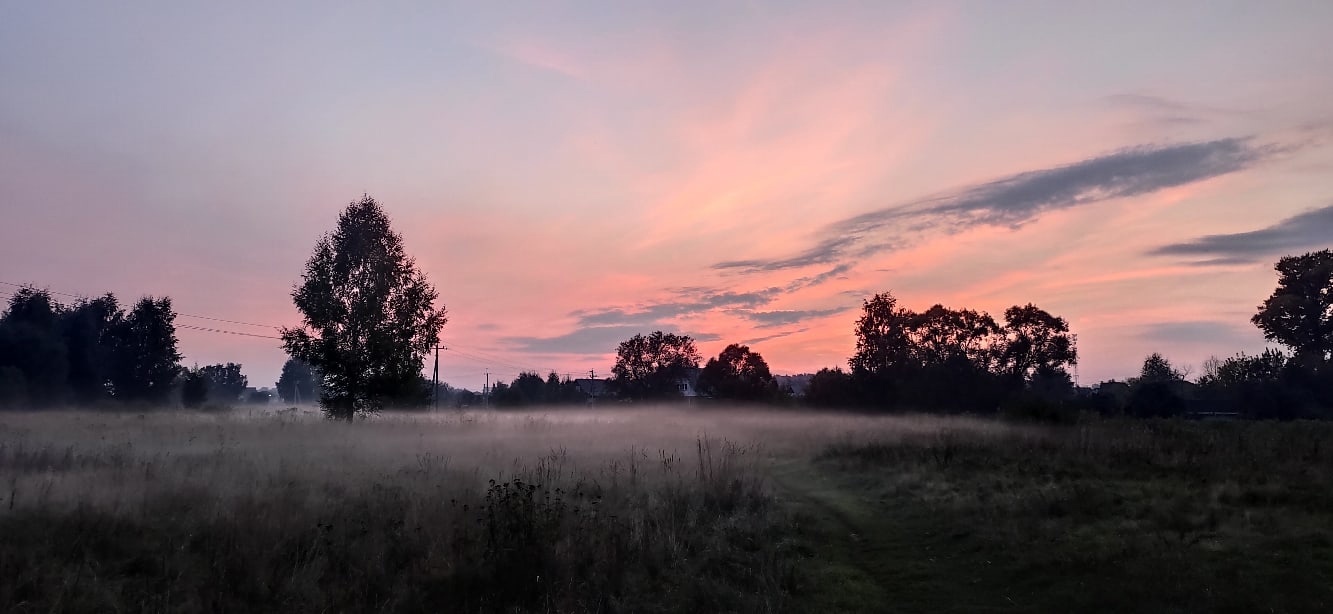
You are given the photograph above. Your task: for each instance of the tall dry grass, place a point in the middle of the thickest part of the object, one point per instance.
(614, 510)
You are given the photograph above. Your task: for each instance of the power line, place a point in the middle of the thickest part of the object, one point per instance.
(491, 360)
(229, 321)
(185, 315)
(226, 332)
(475, 355)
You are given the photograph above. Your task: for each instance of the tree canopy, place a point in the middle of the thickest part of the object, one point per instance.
(87, 352)
(225, 383)
(298, 383)
(737, 374)
(1299, 313)
(651, 367)
(369, 314)
(957, 358)
(146, 360)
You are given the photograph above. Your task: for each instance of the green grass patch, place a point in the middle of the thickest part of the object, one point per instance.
(1109, 517)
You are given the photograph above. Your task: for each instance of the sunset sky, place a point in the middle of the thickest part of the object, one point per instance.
(570, 174)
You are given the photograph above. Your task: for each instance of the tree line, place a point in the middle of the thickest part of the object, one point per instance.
(963, 360)
(938, 359)
(369, 319)
(88, 352)
(93, 352)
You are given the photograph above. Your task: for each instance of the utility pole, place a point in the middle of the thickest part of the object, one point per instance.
(592, 386)
(435, 383)
(486, 391)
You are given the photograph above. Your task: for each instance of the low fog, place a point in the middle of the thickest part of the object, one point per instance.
(118, 460)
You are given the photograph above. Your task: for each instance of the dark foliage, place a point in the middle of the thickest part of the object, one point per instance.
(298, 383)
(957, 360)
(652, 366)
(194, 388)
(33, 349)
(530, 389)
(1155, 399)
(226, 383)
(89, 352)
(90, 329)
(738, 374)
(831, 388)
(1299, 314)
(369, 315)
(146, 361)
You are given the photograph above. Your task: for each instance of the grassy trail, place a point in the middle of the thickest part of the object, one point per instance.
(843, 577)
(876, 556)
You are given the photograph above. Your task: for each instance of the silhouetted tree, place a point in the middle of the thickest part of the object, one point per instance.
(938, 359)
(194, 388)
(561, 391)
(1036, 341)
(13, 387)
(369, 314)
(953, 354)
(32, 350)
(146, 360)
(527, 389)
(226, 383)
(651, 367)
(1263, 386)
(1155, 400)
(1156, 368)
(498, 394)
(1156, 391)
(298, 383)
(90, 329)
(1299, 314)
(738, 374)
(940, 336)
(552, 392)
(882, 341)
(830, 388)
(1051, 384)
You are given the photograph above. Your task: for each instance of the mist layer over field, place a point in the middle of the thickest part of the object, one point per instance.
(667, 509)
(601, 510)
(114, 461)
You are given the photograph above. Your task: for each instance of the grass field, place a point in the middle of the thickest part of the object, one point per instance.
(659, 510)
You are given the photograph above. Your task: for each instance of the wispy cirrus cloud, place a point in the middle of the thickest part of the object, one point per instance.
(594, 340)
(766, 319)
(1166, 112)
(1311, 229)
(778, 335)
(691, 301)
(699, 300)
(1020, 198)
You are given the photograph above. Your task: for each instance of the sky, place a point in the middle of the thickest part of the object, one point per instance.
(571, 174)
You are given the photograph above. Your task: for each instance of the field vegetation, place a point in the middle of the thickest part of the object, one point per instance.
(1111, 516)
(459, 512)
(659, 510)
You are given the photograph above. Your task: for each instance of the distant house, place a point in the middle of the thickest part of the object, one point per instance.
(594, 388)
(689, 384)
(258, 396)
(793, 385)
